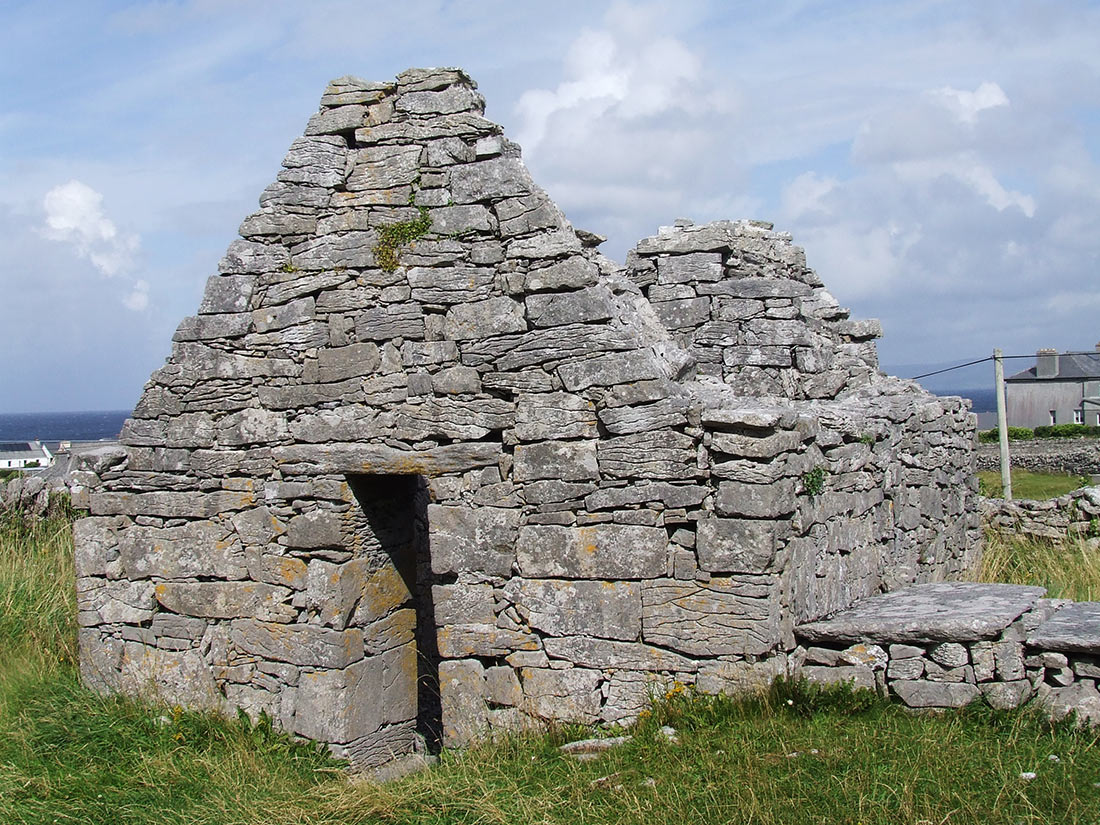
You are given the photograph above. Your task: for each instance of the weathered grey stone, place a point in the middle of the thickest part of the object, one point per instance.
(298, 644)
(384, 460)
(316, 161)
(607, 654)
(599, 551)
(213, 327)
(482, 319)
(949, 654)
(339, 705)
(467, 539)
(570, 695)
(671, 495)
(446, 101)
(858, 676)
(565, 460)
(726, 616)
(101, 601)
(491, 179)
(1081, 698)
(225, 600)
(607, 609)
(482, 640)
(957, 611)
(1007, 695)
(319, 528)
(610, 369)
(921, 694)
(735, 545)
(572, 273)
(384, 167)
(1075, 627)
(755, 500)
(463, 604)
(461, 688)
(230, 294)
(199, 548)
(252, 426)
(340, 363)
(451, 284)
(656, 455)
(582, 306)
(555, 415)
(391, 321)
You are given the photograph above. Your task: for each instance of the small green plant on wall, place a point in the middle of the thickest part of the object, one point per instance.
(813, 481)
(395, 235)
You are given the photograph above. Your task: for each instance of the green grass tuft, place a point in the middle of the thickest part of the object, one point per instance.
(1068, 569)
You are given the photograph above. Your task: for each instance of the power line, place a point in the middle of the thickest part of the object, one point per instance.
(1091, 353)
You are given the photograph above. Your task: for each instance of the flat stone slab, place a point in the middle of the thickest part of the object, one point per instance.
(951, 611)
(1075, 627)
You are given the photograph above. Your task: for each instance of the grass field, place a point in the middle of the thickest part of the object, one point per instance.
(795, 756)
(1026, 484)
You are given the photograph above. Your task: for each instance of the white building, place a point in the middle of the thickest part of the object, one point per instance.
(20, 455)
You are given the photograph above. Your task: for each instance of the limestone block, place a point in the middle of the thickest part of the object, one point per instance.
(610, 369)
(212, 327)
(393, 630)
(502, 686)
(298, 644)
(167, 676)
(466, 419)
(869, 655)
(316, 161)
(605, 609)
(1080, 698)
(269, 221)
(466, 640)
(663, 414)
(250, 257)
(1007, 695)
(755, 500)
(340, 705)
(735, 545)
(226, 600)
(199, 362)
(689, 268)
(227, 294)
(751, 446)
(317, 528)
(671, 495)
(338, 119)
(562, 460)
(556, 243)
(333, 590)
(682, 313)
(500, 177)
(662, 455)
(252, 426)
(198, 548)
(451, 285)
(605, 654)
(949, 655)
(463, 603)
(859, 676)
(922, 694)
(399, 688)
(1009, 658)
(911, 668)
(546, 346)
(551, 309)
(550, 491)
(444, 102)
(572, 273)
(734, 615)
(381, 459)
(353, 422)
(738, 677)
(599, 551)
(457, 380)
(461, 694)
(571, 695)
(383, 590)
(257, 526)
(100, 659)
(339, 363)
(459, 220)
(94, 540)
(1075, 627)
(482, 319)
(383, 167)
(553, 415)
(465, 539)
(390, 321)
(101, 601)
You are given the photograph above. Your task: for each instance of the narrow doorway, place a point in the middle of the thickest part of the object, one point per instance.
(390, 530)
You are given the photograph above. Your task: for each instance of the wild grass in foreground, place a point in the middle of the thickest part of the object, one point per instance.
(798, 755)
(1069, 570)
(1026, 484)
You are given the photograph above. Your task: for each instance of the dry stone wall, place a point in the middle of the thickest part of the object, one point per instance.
(425, 465)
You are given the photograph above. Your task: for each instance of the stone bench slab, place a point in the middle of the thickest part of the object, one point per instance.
(1074, 628)
(955, 611)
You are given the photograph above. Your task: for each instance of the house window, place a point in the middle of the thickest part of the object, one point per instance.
(1078, 417)
(1053, 417)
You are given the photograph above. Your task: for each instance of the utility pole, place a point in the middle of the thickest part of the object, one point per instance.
(1002, 424)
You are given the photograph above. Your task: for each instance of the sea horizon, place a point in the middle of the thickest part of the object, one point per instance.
(87, 425)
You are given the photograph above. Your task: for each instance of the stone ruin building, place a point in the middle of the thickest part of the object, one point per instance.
(426, 465)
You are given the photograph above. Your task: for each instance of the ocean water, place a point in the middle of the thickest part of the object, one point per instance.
(983, 400)
(70, 426)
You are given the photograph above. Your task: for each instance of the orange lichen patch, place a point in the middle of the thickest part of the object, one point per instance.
(587, 540)
(384, 591)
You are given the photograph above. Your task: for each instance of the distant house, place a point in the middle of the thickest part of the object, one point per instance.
(21, 455)
(1062, 388)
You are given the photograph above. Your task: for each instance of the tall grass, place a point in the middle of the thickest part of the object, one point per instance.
(1068, 570)
(1026, 484)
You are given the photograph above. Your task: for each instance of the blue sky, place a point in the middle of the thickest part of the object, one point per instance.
(940, 161)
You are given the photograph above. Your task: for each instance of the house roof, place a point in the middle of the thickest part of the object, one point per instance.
(1076, 366)
(21, 451)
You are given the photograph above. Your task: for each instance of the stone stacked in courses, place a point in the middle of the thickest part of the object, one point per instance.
(485, 476)
(1073, 516)
(947, 645)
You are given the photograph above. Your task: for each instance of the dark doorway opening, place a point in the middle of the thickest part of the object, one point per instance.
(394, 532)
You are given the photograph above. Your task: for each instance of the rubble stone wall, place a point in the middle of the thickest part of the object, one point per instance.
(1075, 515)
(426, 465)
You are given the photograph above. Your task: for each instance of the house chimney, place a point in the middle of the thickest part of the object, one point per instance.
(1098, 346)
(1046, 363)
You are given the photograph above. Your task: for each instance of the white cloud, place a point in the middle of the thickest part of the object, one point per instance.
(966, 105)
(74, 214)
(138, 298)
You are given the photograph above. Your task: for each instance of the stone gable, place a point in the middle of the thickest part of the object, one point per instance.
(426, 465)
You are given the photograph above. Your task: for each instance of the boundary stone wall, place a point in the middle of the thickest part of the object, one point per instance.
(1075, 515)
(426, 465)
